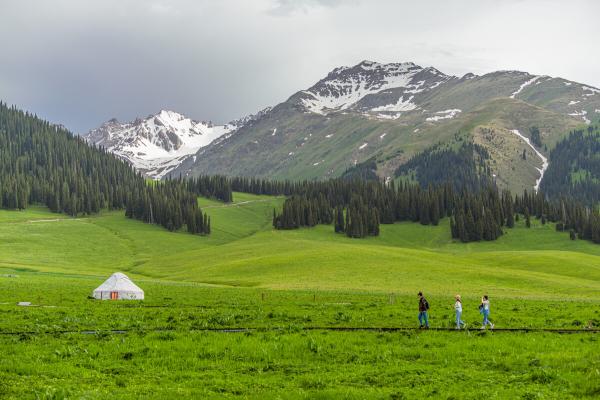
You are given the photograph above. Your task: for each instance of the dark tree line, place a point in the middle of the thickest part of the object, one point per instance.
(264, 187)
(465, 167)
(360, 221)
(168, 204)
(366, 170)
(481, 215)
(581, 221)
(301, 211)
(213, 187)
(494, 213)
(358, 207)
(41, 163)
(535, 137)
(574, 170)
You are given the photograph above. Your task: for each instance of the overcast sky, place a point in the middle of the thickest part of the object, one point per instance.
(80, 62)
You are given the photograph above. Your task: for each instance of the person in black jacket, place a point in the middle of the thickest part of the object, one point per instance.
(423, 309)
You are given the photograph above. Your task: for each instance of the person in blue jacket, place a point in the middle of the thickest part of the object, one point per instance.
(484, 309)
(423, 309)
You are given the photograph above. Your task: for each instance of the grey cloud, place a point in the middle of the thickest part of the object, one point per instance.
(288, 7)
(82, 62)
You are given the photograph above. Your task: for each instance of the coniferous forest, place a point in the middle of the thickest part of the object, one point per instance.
(366, 170)
(464, 167)
(44, 164)
(41, 163)
(574, 170)
(356, 208)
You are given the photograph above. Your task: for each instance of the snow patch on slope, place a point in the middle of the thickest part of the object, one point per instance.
(545, 164)
(524, 85)
(582, 114)
(593, 91)
(447, 114)
(401, 105)
(389, 116)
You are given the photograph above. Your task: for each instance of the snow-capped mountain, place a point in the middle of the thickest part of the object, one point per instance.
(384, 89)
(380, 115)
(159, 143)
(372, 114)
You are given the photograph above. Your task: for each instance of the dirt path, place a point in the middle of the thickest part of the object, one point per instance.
(310, 328)
(42, 220)
(242, 203)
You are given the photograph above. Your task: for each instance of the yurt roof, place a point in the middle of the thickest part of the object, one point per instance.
(118, 282)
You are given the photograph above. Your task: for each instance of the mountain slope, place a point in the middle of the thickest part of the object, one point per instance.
(157, 144)
(391, 112)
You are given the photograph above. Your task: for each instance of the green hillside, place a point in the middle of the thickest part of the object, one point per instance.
(308, 147)
(243, 250)
(293, 287)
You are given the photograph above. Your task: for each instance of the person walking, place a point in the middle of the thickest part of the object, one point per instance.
(458, 309)
(423, 309)
(484, 309)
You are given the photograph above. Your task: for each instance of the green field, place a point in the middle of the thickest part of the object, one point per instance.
(289, 287)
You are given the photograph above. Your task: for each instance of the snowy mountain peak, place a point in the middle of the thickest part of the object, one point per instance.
(354, 87)
(156, 144)
(369, 65)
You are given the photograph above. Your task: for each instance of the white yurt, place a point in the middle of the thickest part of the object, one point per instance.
(118, 287)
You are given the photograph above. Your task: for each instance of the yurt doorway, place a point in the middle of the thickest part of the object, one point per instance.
(118, 287)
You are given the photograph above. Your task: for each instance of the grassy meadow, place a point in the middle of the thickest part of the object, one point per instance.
(289, 287)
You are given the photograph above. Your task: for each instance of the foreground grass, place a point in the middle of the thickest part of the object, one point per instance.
(287, 285)
(165, 352)
(301, 365)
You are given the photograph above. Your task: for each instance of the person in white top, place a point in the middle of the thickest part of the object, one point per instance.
(484, 309)
(458, 308)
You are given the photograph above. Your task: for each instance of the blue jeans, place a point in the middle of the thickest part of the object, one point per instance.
(459, 321)
(486, 316)
(423, 318)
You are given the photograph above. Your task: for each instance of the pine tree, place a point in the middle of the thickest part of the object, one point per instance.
(510, 220)
(572, 234)
(435, 213)
(339, 220)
